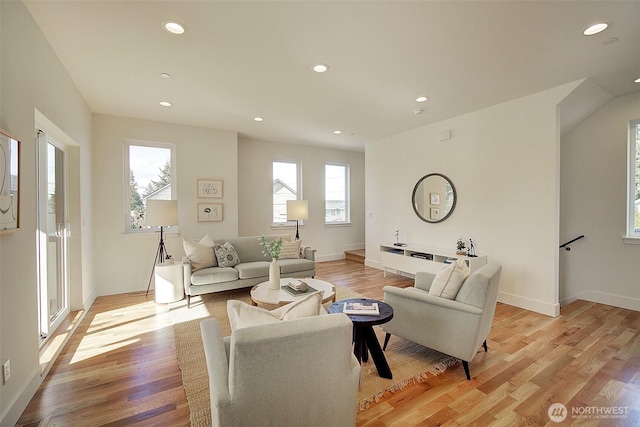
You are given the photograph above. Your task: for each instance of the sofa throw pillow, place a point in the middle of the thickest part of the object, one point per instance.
(290, 250)
(449, 280)
(226, 254)
(200, 254)
(243, 315)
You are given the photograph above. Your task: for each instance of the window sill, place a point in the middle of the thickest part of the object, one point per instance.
(631, 240)
(337, 224)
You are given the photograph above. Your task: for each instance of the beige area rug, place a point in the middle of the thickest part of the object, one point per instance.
(410, 363)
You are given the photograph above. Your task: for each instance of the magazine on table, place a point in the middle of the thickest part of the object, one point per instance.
(361, 308)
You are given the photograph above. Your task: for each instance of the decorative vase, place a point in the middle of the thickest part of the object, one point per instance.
(274, 275)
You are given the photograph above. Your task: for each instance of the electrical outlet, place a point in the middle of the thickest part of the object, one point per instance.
(6, 371)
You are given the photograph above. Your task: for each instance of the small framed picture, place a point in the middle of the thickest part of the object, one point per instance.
(208, 212)
(209, 188)
(435, 213)
(435, 198)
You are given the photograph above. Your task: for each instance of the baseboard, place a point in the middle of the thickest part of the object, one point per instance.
(604, 298)
(330, 257)
(529, 304)
(354, 247)
(15, 409)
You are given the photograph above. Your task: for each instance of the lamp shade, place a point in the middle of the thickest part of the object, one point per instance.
(297, 210)
(161, 213)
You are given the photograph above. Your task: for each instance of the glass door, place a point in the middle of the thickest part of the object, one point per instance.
(52, 241)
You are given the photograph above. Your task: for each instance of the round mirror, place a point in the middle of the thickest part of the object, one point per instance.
(434, 197)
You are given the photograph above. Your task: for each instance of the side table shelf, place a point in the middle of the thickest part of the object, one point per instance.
(412, 258)
(168, 282)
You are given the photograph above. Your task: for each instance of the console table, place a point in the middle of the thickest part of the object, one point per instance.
(413, 258)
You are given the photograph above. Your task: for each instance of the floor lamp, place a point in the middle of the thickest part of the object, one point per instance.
(160, 213)
(297, 210)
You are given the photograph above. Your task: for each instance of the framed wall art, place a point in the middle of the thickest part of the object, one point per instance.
(435, 213)
(208, 212)
(209, 188)
(435, 198)
(9, 183)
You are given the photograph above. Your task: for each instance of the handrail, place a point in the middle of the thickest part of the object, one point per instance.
(566, 245)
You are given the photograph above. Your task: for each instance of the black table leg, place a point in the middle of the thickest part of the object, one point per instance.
(372, 344)
(358, 342)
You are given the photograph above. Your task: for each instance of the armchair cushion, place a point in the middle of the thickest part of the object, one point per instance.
(226, 254)
(200, 254)
(242, 315)
(448, 281)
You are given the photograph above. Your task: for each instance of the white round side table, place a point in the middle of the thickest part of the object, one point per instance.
(168, 278)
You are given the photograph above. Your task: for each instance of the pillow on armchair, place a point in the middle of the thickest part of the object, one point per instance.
(449, 280)
(243, 315)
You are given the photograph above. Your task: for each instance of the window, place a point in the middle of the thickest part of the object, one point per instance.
(633, 228)
(336, 194)
(150, 174)
(286, 180)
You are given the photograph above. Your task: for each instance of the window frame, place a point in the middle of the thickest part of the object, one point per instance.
(347, 193)
(632, 146)
(298, 192)
(127, 189)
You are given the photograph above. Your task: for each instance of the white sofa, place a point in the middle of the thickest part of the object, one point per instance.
(252, 269)
(294, 373)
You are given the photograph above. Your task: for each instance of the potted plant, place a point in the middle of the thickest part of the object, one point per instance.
(460, 246)
(272, 247)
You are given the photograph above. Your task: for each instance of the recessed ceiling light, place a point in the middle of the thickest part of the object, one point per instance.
(320, 68)
(418, 111)
(165, 75)
(174, 27)
(258, 119)
(165, 104)
(637, 80)
(611, 40)
(422, 98)
(337, 131)
(595, 28)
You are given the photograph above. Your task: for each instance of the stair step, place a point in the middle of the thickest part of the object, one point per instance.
(355, 255)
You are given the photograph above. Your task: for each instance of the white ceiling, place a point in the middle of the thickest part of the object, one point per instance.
(239, 60)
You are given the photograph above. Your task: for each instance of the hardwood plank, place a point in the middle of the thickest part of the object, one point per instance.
(119, 367)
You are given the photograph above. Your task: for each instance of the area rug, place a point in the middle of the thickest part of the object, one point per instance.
(410, 363)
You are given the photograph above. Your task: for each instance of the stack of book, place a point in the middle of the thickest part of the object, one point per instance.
(361, 308)
(298, 285)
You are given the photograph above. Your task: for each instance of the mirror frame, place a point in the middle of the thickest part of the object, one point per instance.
(10, 156)
(413, 198)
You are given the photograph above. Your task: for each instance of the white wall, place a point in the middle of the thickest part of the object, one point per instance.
(255, 184)
(124, 261)
(600, 267)
(504, 163)
(32, 78)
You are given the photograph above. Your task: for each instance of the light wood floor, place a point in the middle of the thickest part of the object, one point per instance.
(119, 368)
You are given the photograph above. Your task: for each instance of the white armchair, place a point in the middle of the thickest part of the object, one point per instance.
(298, 372)
(455, 327)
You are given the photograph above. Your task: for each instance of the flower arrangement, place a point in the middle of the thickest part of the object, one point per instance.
(271, 247)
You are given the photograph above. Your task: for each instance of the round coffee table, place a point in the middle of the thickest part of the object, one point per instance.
(364, 338)
(262, 296)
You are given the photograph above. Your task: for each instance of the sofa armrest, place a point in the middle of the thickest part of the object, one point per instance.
(423, 280)
(310, 253)
(217, 363)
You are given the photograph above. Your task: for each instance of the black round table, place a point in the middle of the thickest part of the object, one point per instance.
(364, 338)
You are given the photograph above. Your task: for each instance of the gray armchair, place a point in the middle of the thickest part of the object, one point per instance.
(293, 373)
(455, 327)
